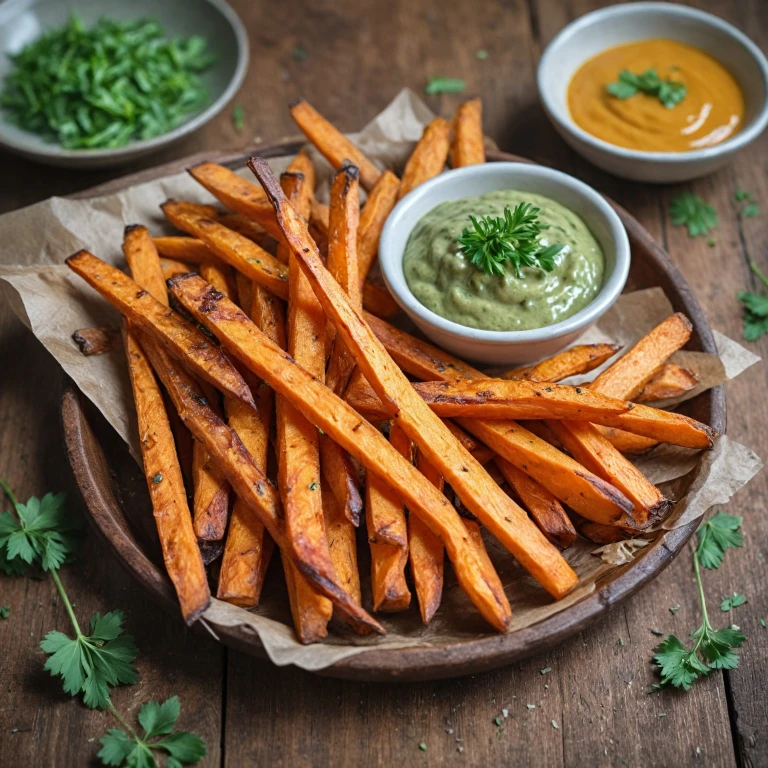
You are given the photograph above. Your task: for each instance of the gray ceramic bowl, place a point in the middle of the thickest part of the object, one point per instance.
(22, 21)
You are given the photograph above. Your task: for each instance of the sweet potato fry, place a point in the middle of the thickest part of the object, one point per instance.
(332, 144)
(244, 226)
(238, 194)
(600, 534)
(188, 249)
(377, 207)
(566, 479)
(96, 341)
(248, 547)
(496, 399)
(638, 365)
(428, 157)
(627, 443)
(319, 216)
(426, 552)
(220, 276)
(378, 301)
(247, 480)
(171, 267)
(467, 477)
(482, 453)
(468, 147)
(142, 258)
(572, 362)
(591, 449)
(476, 538)
(546, 511)
(668, 381)
(298, 451)
(355, 435)
(178, 336)
(388, 586)
(342, 543)
(340, 476)
(234, 249)
(244, 292)
(181, 555)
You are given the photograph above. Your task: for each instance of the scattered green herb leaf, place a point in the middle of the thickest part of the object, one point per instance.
(755, 308)
(749, 211)
(669, 92)
(673, 609)
(545, 671)
(482, 54)
(492, 241)
(238, 117)
(734, 601)
(742, 194)
(531, 706)
(299, 53)
(497, 720)
(423, 747)
(657, 632)
(712, 649)
(689, 209)
(711, 242)
(444, 85)
(104, 86)
(555, 725)
(313, 486)
(762, 623)
(158, 478)
(182, 748)
(4, 611)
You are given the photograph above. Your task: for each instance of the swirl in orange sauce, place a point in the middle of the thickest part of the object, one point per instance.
(711, 112)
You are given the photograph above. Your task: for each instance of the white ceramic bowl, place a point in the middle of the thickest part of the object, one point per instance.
(505, 347)
(618, 24)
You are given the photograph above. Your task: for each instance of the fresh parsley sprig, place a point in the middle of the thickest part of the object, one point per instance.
(42, 533)
(669, 92)
(678, 665)
(690, 210)
(492, 241)
(755, 307)
(119, 748)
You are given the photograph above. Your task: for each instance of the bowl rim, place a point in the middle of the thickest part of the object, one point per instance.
(613, 284)
(54, 151)
(733, 144)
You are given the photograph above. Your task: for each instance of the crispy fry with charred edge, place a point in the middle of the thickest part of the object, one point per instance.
(171, 267)
(340, 476)
(468, 146)
(176, 335)
(591, 449)
(342, 543)
(600, 534)
(669, 380)
(248, 481)
(181, 555)
(546, 511)
(627, 443)
(210, 488)
(161, 464)
(568, 481)
(210, 507)
(354, 434)
(388, 535)
(96, 341)
(496, 399)
(332, 144)
(482, 453)
(234, 249)
(377, 207)
(469, 480)
(635, 367)
(188, 249)
(426, 552)
(236, 193)
(572, 362)
(428, 157)
(220, 277)
(248, 547)
(298, 450)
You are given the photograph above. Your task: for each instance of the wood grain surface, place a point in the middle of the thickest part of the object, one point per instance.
(359, 54)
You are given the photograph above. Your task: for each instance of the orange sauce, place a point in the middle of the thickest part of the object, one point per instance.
(711, 112)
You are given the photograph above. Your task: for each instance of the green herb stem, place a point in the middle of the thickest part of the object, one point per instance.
(9, 493)
(67, 604)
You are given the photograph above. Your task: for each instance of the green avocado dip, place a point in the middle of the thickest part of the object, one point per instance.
(444, 280)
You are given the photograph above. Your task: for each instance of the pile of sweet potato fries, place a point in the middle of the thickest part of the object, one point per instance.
(260, 340)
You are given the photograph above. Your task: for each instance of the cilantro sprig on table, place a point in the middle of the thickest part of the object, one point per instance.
(755, 306)
(493, 241)
(101, 87)
(698, 216)
(679, 665)
(669, 92)
(41, 533)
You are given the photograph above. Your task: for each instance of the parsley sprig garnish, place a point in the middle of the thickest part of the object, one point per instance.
(157, 720)
(755, 308)
(690, 210)
(680, 666)
(493, 241)
(669, 92)
(42, 533)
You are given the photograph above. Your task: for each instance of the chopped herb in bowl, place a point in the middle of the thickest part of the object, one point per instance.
(105, 86)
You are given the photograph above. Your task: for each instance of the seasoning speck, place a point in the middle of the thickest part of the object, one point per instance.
(545, 671)
(657, 632)
(531, 706)
(158, 478)
(673, 609)
(555, 725)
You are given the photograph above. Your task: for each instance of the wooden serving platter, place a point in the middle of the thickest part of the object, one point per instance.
(115, 495)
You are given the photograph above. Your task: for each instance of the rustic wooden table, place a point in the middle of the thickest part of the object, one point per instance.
(359, 53)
